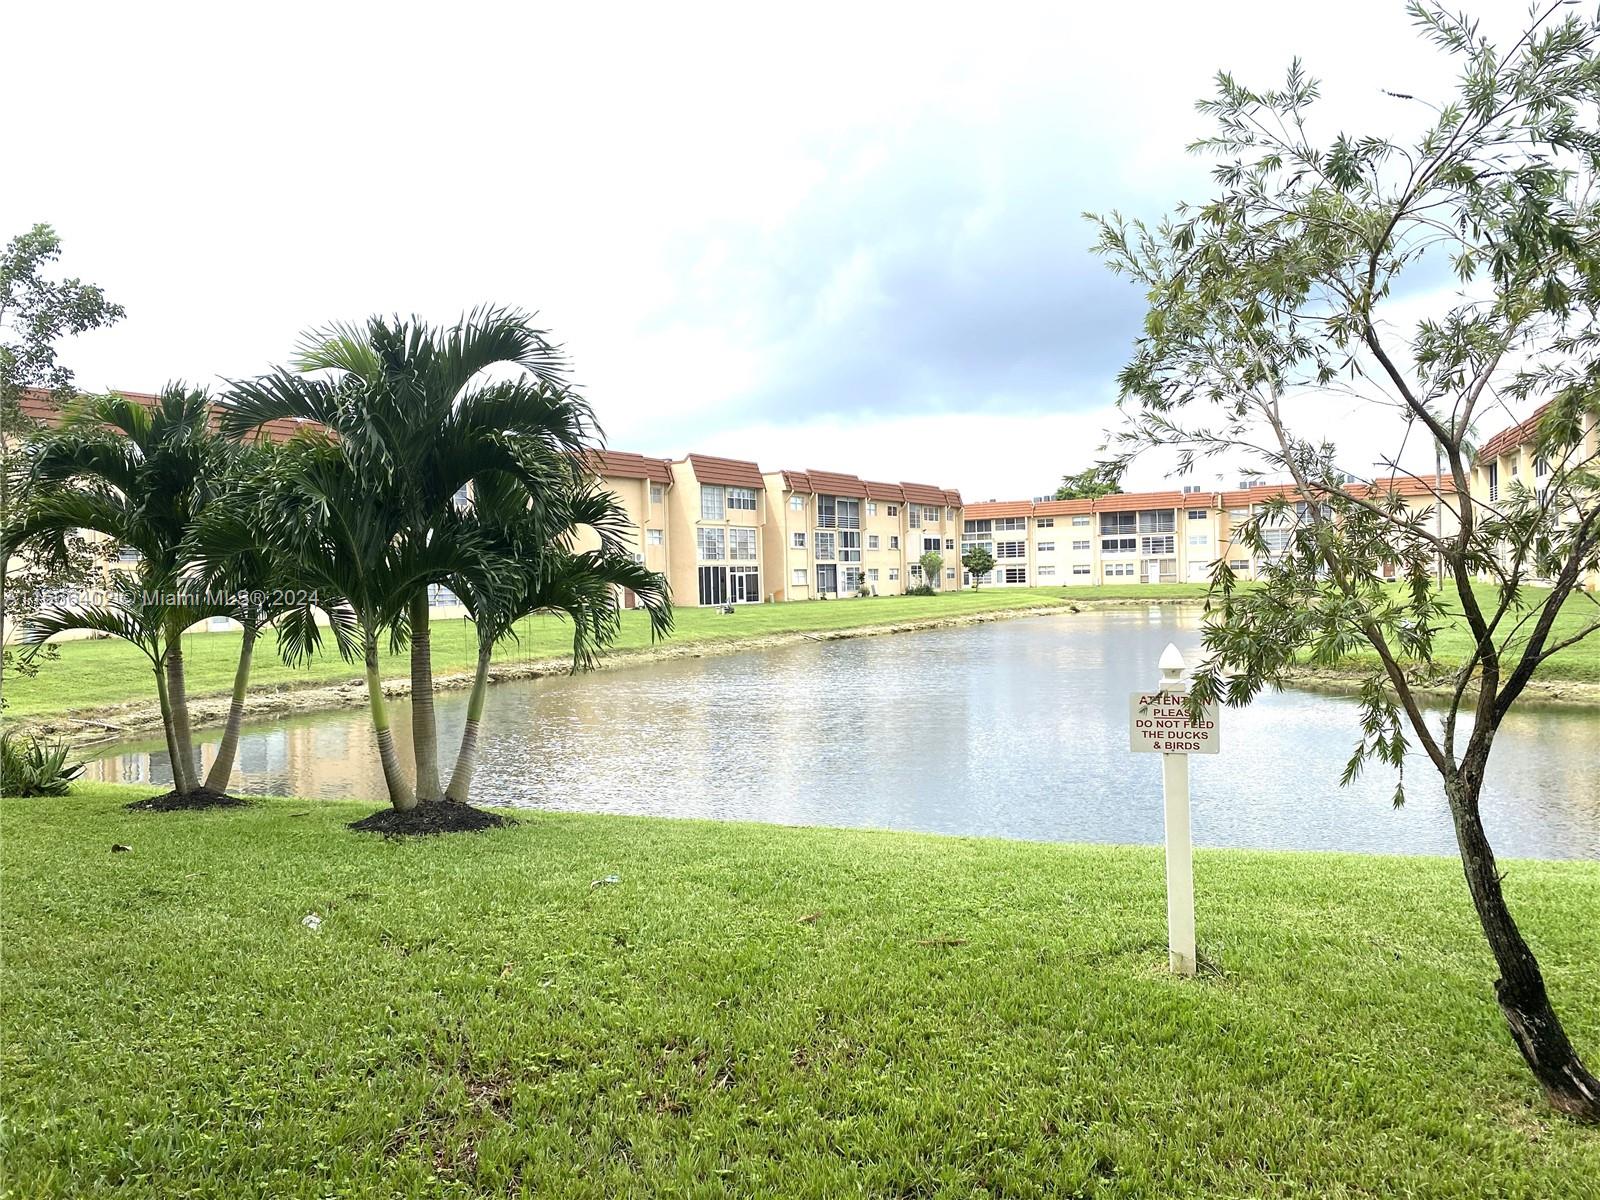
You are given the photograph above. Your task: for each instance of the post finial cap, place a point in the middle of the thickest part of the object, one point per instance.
(1171, 659)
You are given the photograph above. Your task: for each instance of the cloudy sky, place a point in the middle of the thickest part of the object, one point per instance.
(844, 237)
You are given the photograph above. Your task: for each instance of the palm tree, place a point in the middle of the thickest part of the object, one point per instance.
(141, 476)
(343, 544)
(550, 577)
(422, 413)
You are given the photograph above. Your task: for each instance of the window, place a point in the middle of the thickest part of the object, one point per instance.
(797, 503)
(827, 580)
(1239, 514)
(914, 516)
(1082, 544)
(894, 510)
(1011, 523)
(1046, 571)
(711, 543)
(872, 508)
(1119, 545)
(930, 514)
(849, 514)
(872, 541)
(894, 542)
(1047, 547)
(984, 526)
(1199, 539)
(894, 574)
(949, 543)
(1121, 570)
(658, 494)
(950, 515)
(1119, 522)
(872, 574)
(930, 545)
(798, 540)
(849, 546)
(1541, 468)
(1045, 522)
(800, 577)
(1011, 549)
(743, 499)
(949, 572)
(1080, 522)
(1197, 514)
(827, 516)
(742, 545)
(1494, 481)
(1239, 564)
(1157, 545)
(825, 546)
(914, 571)
(463, 497)
(440, 596)
(712, 503)
(652, 537)
(1081, 568)
(127, 554)
(1157, 520)
(1016, 575)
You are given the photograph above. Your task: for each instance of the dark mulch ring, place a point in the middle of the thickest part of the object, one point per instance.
(176, 802)
(431, 816)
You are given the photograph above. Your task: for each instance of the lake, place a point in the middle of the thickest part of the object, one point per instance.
(1011, 729)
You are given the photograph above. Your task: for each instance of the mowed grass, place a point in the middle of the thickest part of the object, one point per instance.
(754, 1011)
(92, 674)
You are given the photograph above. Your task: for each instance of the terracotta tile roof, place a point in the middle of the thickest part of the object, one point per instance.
(1406, 485)
(831, 483)
(796, 481)
(952, 497)
(730, 472)
(37, 404)
(1059, 508)
(922, 493)
(1509, 439)
(1122, 502)
(987, 509)
(883, 491)
(623, 464)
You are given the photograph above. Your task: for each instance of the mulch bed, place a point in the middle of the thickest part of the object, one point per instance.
(430, 817)
(175, 802)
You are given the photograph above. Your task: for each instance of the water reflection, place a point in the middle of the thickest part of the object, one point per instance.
(1013, 729)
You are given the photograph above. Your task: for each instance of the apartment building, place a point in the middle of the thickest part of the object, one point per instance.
(1147, 537)
(1507, 463)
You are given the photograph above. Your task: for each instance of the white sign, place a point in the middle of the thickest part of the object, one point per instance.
(1159, 723)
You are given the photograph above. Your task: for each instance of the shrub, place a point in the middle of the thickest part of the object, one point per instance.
(32, 766)
(921, 589)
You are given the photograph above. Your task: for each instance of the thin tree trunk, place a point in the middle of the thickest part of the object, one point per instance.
(400, 792)
(467, 757)
(178, 698)
(165, 702)
(1535, 1028)
(222, 769)
(424, 730)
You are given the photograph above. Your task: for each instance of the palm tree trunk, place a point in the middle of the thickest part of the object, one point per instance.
(179, 699)
(424, 730)
(222, 769)
(467, 757)
(165, 702)
(1535, 1028)
(400, 792)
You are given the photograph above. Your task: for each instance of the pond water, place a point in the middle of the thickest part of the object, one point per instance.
(1013, 729)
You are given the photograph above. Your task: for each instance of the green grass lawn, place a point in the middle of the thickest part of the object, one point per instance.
(754, 1010)
(90, 674)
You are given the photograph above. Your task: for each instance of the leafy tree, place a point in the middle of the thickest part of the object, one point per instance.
(36, 313)
(978, 562)
(1279, 291)
(932, 564)
(1098, 480)
(420, 413)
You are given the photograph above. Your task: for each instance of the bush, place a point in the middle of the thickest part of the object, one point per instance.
(32, 766)
(921, 589)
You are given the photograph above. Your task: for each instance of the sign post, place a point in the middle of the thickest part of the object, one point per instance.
(1159, 722)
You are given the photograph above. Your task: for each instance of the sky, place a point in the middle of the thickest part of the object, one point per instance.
(848, 237)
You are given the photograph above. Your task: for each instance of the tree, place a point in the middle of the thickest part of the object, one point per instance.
(978, 562)
(1098, 480)
(547, 576)
(932, 564)
(421, 413)
(140, 476)
(1279, 291)
(35, 314)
